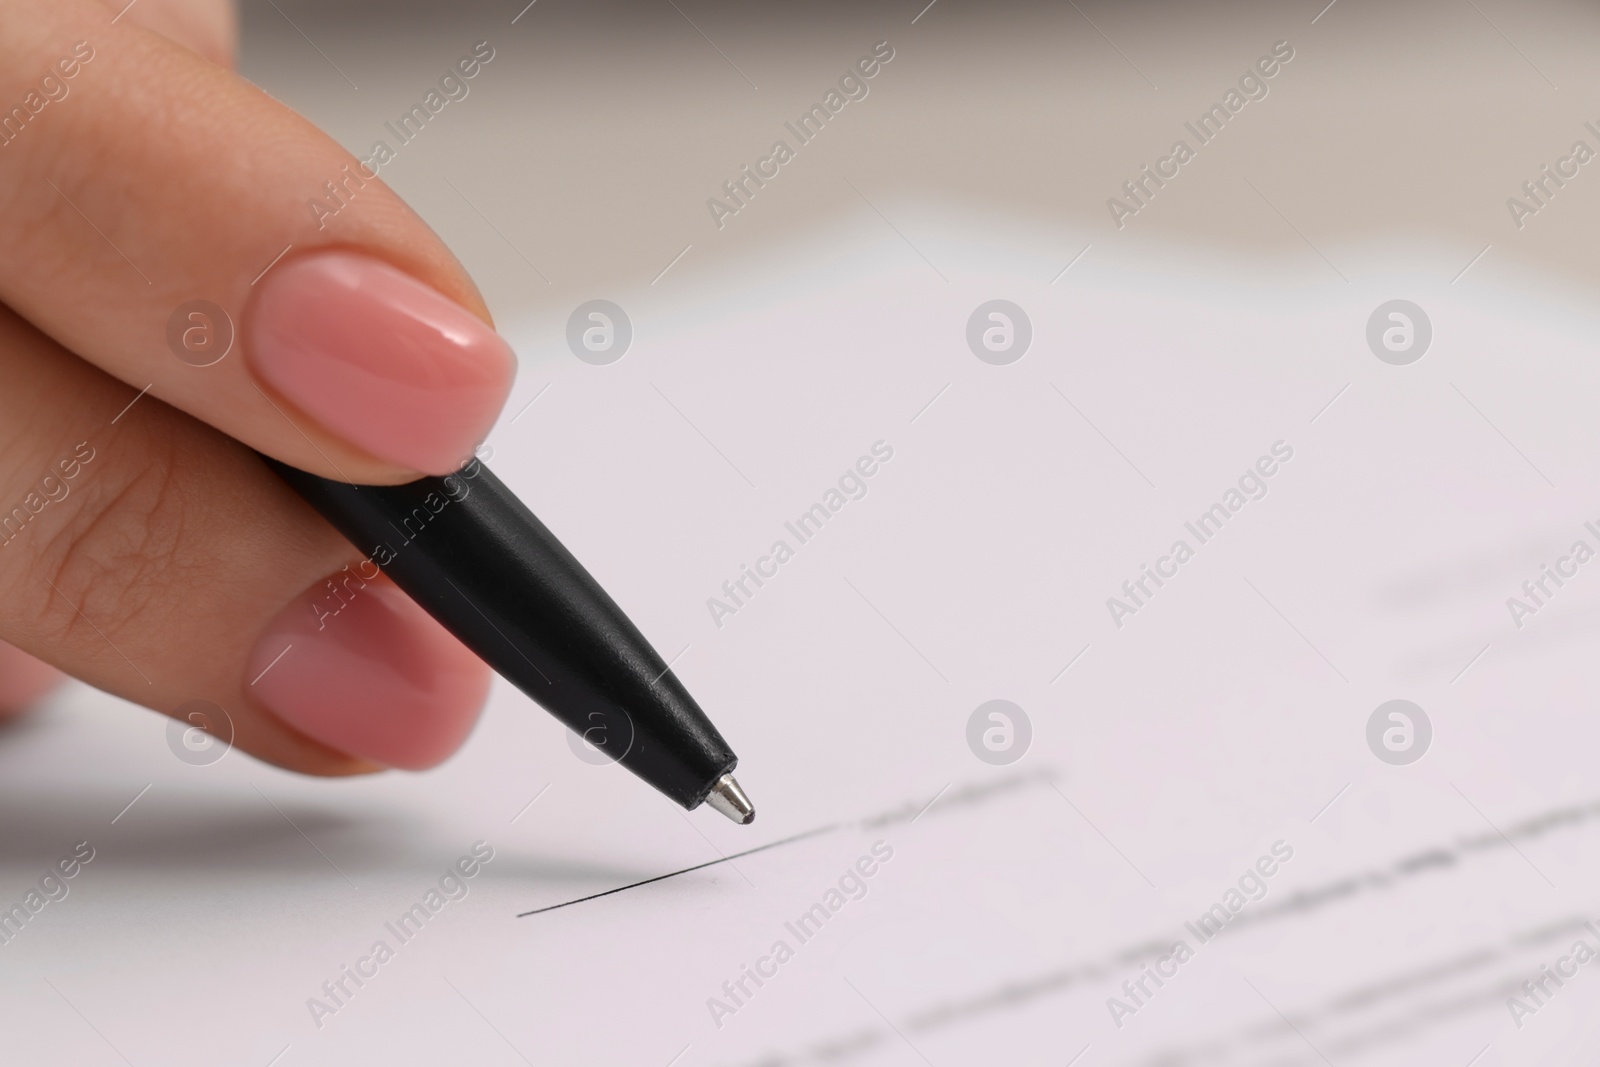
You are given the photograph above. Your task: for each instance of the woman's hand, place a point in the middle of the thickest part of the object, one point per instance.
(152, 205)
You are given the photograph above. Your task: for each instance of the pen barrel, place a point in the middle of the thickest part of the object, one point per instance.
(475, 558)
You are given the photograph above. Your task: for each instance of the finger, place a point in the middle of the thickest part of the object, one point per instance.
(154, 558)
(23, 680)
(156, 180)
(208, 27)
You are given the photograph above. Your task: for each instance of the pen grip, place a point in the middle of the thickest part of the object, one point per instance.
(476, 559)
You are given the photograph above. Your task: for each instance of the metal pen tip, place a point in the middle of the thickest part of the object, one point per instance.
(728, 798)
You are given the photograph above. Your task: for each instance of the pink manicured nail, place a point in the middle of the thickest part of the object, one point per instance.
(379, 358)
(367, 672)
(23, 680)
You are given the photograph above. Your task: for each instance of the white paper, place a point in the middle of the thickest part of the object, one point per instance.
(1226, 717)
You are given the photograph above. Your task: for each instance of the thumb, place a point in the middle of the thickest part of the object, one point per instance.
(152, 197)
(209, 27)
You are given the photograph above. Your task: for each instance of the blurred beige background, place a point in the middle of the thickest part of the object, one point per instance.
(592, 141)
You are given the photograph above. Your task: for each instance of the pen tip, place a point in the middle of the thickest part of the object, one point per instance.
(727, 797)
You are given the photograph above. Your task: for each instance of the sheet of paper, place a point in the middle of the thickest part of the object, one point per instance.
(1185, 839)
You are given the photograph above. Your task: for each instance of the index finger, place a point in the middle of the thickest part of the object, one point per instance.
(161, 213)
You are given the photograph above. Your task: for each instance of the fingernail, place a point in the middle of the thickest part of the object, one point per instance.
(378, 358)
(362, 669)
(23, 680)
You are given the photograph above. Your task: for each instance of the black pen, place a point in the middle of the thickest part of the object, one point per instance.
(476, 559)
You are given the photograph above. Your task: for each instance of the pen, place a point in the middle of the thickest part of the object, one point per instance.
(475, 558)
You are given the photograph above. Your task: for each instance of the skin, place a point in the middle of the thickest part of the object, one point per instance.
(199, 178)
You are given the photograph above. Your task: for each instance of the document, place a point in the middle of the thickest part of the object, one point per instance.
(1164, 665)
